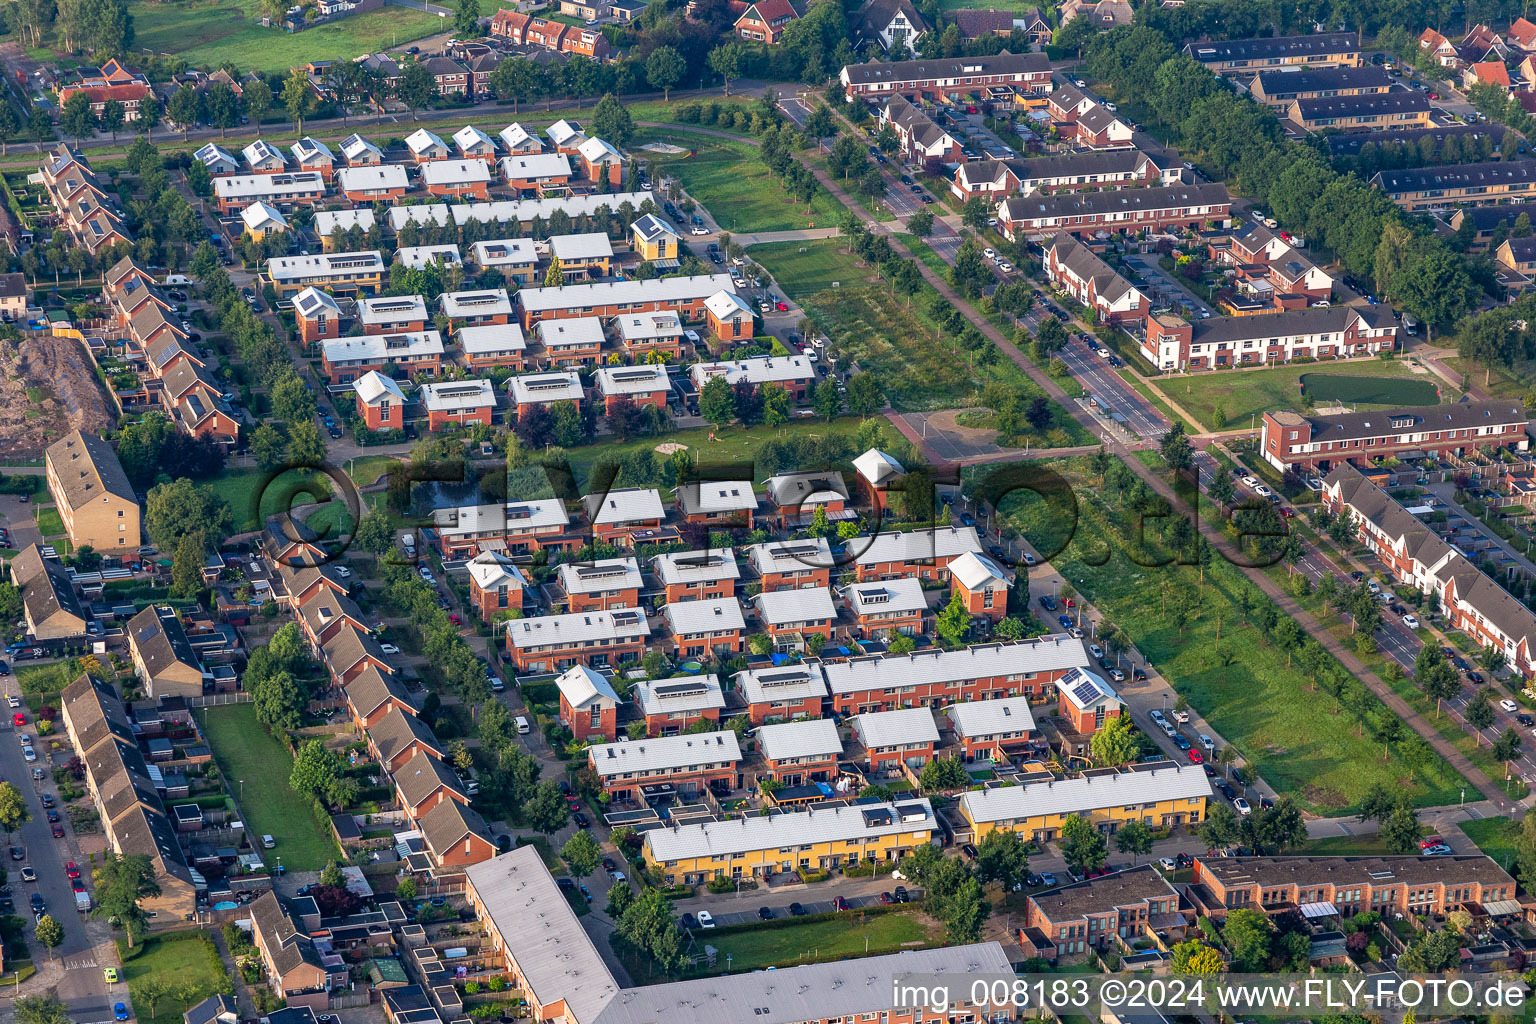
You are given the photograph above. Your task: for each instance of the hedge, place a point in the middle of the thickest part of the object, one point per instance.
(790, 922)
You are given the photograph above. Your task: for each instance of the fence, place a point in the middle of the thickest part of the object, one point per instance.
(215, 699)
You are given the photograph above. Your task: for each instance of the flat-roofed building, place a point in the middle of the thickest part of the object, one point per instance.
(554, 643)
(346, 273)
(92, 494)
(1159, 797)
(795, 373)
(393, 314)
(1134, 905)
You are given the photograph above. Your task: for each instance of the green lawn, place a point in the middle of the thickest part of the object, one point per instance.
(894, 337)
(367, 469)
(1342, 846)
(49, 523)
(843, 936)
(180, 958)
(1497, 837)
(256, 768)
(1292, 732)
(254, 494)
(732, 182)
(1244, 394)
(214, 32)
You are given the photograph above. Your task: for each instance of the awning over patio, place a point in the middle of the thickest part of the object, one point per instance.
(1311, 911)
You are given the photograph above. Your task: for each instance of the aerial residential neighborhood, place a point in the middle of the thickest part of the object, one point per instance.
(605, 511)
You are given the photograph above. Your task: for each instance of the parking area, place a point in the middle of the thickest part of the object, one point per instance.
(781, 908)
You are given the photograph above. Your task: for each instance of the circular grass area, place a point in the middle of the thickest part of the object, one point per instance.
(1335, 387)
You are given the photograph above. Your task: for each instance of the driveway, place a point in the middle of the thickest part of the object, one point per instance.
(1165, 287)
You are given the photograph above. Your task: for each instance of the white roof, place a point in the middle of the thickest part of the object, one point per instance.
(261, 217)
(501, 517)
(664, 323)
(651, 226)
(918, 545)
(716, 496)
(1052, 653)
(595, 150)
(564, 131)
(782, 683)
(665, 752)
(458, 396)
(877, 467)
(714, 616)
(213, 153)
(376, 347)
(262, 153)
(310, 148)
(804, 491)
(580, 331)
(488, 339)
(312, 301)
(757, 370)
(392, 309)
(1086, 690)
(792, 829)
(327, 221)
(725, 304)
(527, 908)
(482, 302)
(469, 137)
(371, 177)
(421, 216)
(235, 187)
(978, 718)
(544, 388)
(781, 607)
(354, 146)
(373, 385)
(580, 685)
(618, 293)
(514, 136)
(504, 211)
(1092, 793)
(807, 738)
(643, 379)
(680, 693)
(455, 172)
(593, 245)
(577, 628)
(525, 166)
(423, 255)
(624, 505)
(895, 728)
(421, 141)
(791, 555)
(505, 252)
(599, 577)
(682, 567)
(975, 571)
(886, 597)
(491, 569)
(341, 264)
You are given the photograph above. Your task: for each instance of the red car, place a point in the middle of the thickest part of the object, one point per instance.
(1195, 757)
(58, 831)
(783, 307)
(19, 718)
(840, 903)
(72, 870)
(455, 620)
(1429, 841)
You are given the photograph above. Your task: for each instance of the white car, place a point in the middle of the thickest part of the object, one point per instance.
(706, 919)
(1250, 481)
(990, 254)
(26, 740)
(617, 876)
(1102, 353)
(1411, 621)
(343, 571)
(1167, 864)
(1005, 266)
(1207, 742)
(1262, 491)
(389, 648)
(698, 229)
(1096, 650)
(1156, 714)
(426, 574)
(1242, 806)
(13, 701)
(28, 754)
(1182, 717)
(1509, 705)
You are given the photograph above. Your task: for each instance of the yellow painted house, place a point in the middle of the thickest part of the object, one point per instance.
(1163, 794)
(815, 838)
(655, 240)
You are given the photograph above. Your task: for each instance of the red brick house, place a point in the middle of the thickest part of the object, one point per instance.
(642, 385)
(589, 707)
(294, 968)
(939, 678)
(994, 730)
(982, 584)
(713, 503)
(373, 695)
(671, 706)
(764, 21)
(317, 314)
(456, 836)
(554, 643)
(890, 738)
(795, 497)
(697, 575)
(398, 737)
(800, 753)
(789, 617)
(603, 585)
(616, 516)
(921, 554)
(1086, 701)
(458, 403)
(423, 782)
(792, 564)
(885, 609)
(352, 652)
(514, 527)
(878, 473)
(705, 629)
(783, 693)
(496, 584)
(380, 402)
(686, 764)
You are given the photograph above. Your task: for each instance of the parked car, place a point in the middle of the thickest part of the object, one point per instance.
(765, 913)
(840, 903)
(1242, 806)
(796, 910)
(900, 892)
(1509, 705)
(688, 921)
(706, 919)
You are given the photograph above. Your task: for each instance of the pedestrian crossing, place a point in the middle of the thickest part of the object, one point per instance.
(75, 965)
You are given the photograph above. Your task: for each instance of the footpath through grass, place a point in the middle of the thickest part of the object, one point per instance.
(1244, 394)
(1261, 701)
(181, 959)
(247, 754)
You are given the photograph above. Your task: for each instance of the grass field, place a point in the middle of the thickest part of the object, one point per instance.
(729, 178)
(1494, 836)
(1289, 730)
(1516, 382)
(256, 767)
(893, 336)
(180, 958)
(215, 32)
(254, 494)
(1243, 394)
(49, 523)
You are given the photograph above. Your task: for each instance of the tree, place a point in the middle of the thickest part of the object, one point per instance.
(416, 87)
(920, 222)
(663, 69)
(172, 510)
(406, 890)
(258, 100)
(546, 809)
(725, 61)
(777, 404)
(1134, 838)
(1400, 830)
(581, 852)
(966, 909)
(268, 447)
(717, 403)
(944, 773)
(40, 125)
(121, 882)
(1173, 446)
(13, 809)
(1479, 714)
(375, 533)
(44, 1008)
(953, 624)
(1525, 851)
(292, 401)
(279, 699)
(826, 399)
(9, 124)
(1082, 845)
(467, 22)
(1507, 747)
(183, 108)
(223, 107)
(187, 563)
(305, 445)
(1001, 856)
(1247, 934)
(77, 118)
(865, 395)
(1116, 743)
(648, 927)
(331, 876)
(612, 121)
(1194, 957)
(1221, 826)
(1491, 341)
(315, 770)
(298, 100)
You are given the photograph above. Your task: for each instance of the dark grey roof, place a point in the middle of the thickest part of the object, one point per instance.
(12, 285)
(1523, 250)
(1350, 143)
(214, 1009)
(1098, 117)
(421, 776)
(49, 592)
(1004, 63)
(160, 640)
(1400, 101)
(1082, 261)
(1281, 84)
(1332, 319)
(1209, 51)
(1460, 415)
(1105, 894)
(1423, 179)
(1072, 204)
(1487, 218)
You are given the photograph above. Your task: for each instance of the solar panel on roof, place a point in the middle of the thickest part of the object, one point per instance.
(1086, 692)
(686, 689)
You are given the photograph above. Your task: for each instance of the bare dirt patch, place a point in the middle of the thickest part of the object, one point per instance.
(47, 389)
